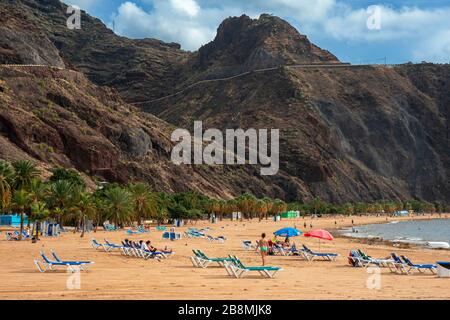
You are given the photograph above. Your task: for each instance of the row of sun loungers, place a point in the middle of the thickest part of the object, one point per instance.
(130, 251)
(396, 264)
(47, 264)
(14, 235)
(194, 233)
(304, 252)
(233, 266)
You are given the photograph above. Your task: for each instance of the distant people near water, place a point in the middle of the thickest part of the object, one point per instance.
(263, 247)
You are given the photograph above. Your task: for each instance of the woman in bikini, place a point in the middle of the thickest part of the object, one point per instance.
(263, 247)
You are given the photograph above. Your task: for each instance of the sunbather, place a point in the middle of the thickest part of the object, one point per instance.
(263, 247)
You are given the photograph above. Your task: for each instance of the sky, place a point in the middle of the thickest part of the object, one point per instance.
(356, 31)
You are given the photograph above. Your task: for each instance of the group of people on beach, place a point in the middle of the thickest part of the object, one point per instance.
(267, 247)
(145, 246)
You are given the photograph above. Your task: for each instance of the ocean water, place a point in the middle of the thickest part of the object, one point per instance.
(418, 231)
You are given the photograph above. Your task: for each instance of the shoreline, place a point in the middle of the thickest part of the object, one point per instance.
(366, 239)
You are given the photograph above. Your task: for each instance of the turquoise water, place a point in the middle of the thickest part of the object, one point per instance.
(420, 232)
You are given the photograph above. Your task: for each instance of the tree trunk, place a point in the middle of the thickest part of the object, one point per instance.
(84, 227)
(21, 224)
(29, 220)
(38, 229)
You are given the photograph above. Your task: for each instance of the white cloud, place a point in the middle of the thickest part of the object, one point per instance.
(435, 48)
(194, 22)
(187, 6)
(168, 21)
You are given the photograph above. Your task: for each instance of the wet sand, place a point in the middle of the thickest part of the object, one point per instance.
(117, 277)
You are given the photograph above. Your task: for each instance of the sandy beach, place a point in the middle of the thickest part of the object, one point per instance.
(118, 277)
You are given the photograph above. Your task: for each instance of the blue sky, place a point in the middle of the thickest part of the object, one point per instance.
(399, 30)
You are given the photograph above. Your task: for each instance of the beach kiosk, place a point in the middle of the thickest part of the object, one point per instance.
(12, 220)
(290, 215)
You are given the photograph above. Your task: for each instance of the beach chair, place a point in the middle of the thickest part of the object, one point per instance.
(278, 249)
(419, 267)
(215, 239)
(247, 245)
(356, 260)
(14, 235)
(235, 268)
(397, 265)
(57, 259)
(194, 233)
(368, 260)
(311, 255)
(48, 264)
(111, 246)
(200, 260)
(96, 245)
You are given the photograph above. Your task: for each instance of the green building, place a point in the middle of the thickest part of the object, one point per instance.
(290, 214)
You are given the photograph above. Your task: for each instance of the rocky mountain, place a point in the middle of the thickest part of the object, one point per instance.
(347, 133)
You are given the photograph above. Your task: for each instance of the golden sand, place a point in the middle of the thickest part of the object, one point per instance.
(117, 277)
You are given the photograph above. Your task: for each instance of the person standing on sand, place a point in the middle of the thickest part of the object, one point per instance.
(263, 247)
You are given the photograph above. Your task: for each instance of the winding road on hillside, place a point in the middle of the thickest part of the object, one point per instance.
(243, 74)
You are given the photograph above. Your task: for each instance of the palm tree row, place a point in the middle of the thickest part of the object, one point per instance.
(65, 199)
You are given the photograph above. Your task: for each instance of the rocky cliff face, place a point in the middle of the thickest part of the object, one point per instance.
(347, 134)
(244, 44)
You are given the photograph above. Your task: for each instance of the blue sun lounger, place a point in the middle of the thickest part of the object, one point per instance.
(95, 244)
(397, 265)
(111, 246)
(48, 264)
(311, 255)
(419, 267)
(73, 262)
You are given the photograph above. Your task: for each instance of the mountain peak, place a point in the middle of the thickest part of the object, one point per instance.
(268, 41)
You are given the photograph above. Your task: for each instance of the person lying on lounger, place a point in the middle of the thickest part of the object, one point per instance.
(147, 246)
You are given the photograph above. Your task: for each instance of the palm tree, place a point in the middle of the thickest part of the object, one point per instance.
(40, 212)
(269, 204)
(278, 206)
(119, 203)
(38, 191)
(83, 207)
(246, 204)
(21, 201)
(25, 172)
(61, 197)
(6, 182)
(145, 202)
(260, 208)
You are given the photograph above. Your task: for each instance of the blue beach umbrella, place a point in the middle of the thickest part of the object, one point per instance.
(287, 232)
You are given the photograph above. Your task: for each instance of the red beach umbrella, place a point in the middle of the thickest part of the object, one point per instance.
(319, 234)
